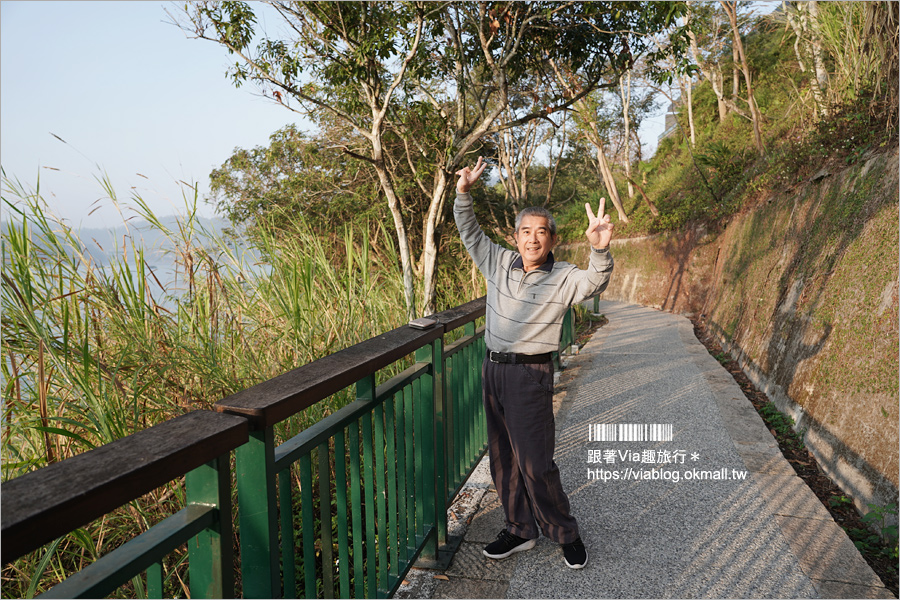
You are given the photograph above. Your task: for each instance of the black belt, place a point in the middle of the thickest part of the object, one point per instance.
(518, 359)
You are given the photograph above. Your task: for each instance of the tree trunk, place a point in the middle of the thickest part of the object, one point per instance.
(625, 91)
(553, 165)
(820, 81)
(430, 244)
(717, 80)
(516, 156)
(735, 74)
(375, 137)
(510, 184)
(713, 73)
(594, 136)
(731, 9)
(406, 262)
(653, 210)
(687, 98)
(608, 179)
(637, 147)
(799, 17)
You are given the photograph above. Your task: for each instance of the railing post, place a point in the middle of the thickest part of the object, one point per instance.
(447, 395)
(255, 467)
(429, 394)
(481, 419)
(440, 461)
(570, 327)
(286, 516)
(155, 581)
(210, 554)
(365, 390)
(471, 396)
(567, 336)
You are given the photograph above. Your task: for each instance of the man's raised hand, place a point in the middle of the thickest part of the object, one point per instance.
(467, 176)
(599, 230)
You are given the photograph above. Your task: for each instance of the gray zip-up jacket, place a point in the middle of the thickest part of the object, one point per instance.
(525, 311)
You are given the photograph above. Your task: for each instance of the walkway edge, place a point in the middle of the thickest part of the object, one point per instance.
(807, 527)
(805, 523)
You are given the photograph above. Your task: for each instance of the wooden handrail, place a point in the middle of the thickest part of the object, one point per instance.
(41, 506)
(462, 314)
(278, 398)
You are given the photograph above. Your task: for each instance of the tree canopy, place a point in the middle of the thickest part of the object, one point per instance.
(295, 174)
(422, 86)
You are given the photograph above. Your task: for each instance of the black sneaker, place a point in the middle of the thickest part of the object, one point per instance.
(575, 554)
(507, 544)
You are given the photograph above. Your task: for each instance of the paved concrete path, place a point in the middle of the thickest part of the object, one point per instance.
(750, 528)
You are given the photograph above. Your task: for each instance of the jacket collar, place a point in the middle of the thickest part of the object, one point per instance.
(547, 266)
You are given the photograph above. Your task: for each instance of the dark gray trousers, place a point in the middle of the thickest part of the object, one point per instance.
(518, 404)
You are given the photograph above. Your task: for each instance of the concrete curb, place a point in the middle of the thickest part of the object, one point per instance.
(825, 552)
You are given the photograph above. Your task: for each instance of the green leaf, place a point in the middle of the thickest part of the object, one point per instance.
(41, 567)
(65, 432)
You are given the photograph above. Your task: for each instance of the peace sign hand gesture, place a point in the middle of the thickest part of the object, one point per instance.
(467, 176)
(599, 230)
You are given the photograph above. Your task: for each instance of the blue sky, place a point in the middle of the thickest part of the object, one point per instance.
(131, 96)
(129, 93)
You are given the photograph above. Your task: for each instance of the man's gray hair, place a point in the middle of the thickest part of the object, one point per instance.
(536, 211)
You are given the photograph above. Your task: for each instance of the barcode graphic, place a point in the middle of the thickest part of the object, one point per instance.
(630, 432)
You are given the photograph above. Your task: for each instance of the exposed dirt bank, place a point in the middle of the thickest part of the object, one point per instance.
(802, 291)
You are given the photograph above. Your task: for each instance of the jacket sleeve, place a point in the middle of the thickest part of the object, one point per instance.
(587, 283)
(483, 251)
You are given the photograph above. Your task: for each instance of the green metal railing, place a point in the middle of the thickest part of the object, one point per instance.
(342, 509)
(41, 506)
(369, 484)
(567, 335)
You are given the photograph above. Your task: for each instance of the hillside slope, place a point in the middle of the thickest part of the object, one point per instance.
(802, 290)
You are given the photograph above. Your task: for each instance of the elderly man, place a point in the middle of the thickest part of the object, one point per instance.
(528, 293)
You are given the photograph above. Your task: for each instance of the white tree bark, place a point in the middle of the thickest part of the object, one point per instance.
(593, 134)
(820, 81)
(686, 86)
(731, 10)
(625, 91)
(517, 154)
(553, 166)
(713, 74)
(735, 73)
(800, 18)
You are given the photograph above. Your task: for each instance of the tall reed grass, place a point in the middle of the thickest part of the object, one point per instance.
(861, 39)
(94, 352)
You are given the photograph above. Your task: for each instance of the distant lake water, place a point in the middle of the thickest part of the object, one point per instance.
(117, 246)
(168, 268)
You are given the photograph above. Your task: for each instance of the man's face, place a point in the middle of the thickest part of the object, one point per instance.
(534, 241)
